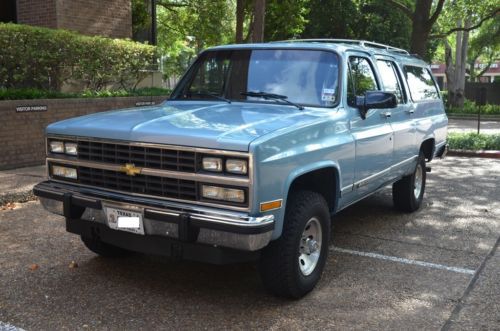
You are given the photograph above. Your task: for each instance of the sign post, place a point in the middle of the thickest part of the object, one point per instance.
(480, 101)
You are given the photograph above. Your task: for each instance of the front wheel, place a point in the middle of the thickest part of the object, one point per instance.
(292, 265)
(408, 192)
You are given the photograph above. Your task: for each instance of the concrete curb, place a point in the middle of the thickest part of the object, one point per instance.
(481, 153)
(23, 196)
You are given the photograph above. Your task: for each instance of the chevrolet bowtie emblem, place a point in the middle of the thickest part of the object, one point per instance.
(130, 169)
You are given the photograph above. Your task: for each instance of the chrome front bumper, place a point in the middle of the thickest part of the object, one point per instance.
(182, 222)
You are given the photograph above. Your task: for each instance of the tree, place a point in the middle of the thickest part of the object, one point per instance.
(423, 19)
(258, 24)
(460, 18)
(253, 13)
(331, 19)
(484, 46)
(455, 71)
(376, 23)
(285, 19)
(187, 27)
(240, 19)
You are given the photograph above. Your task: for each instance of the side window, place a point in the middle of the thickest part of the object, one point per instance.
(421, 84)
(389, 77)
(210, 78)
(360, 79)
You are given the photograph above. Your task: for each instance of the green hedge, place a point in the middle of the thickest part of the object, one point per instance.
(470, 107)
(31, 93)
(473, 141)
(40, 58)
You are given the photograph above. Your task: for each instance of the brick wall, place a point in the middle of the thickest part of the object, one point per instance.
(110, 18)
(22, 141)
(37, 12)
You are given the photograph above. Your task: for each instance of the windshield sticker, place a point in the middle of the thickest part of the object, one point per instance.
(328, 94)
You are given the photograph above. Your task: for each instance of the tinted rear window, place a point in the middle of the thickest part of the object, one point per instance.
(421, 84)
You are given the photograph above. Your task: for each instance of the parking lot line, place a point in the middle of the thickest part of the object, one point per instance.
(403, 260)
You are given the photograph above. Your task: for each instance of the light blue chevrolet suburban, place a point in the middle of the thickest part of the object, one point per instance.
(256, 149)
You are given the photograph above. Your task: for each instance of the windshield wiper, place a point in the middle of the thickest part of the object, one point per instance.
(213, 95)
(272, 96)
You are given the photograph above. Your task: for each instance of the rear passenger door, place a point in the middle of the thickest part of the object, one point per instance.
(373, 135)
(402, 118)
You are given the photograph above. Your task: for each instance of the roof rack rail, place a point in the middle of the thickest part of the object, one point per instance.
(362, 43)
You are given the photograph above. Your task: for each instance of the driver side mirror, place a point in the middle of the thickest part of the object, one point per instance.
(375, 100)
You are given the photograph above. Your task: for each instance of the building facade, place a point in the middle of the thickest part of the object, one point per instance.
(491, 75)
(110, 18)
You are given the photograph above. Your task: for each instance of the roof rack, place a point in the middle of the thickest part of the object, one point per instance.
(362, 43)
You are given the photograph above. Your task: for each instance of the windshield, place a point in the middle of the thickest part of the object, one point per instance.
(306, 77)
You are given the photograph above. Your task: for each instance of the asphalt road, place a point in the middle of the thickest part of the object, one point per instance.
(438, 268)
(463, 126)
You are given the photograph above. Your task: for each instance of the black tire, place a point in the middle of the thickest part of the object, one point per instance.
(279, 264)
(404, 190)
(103, 249)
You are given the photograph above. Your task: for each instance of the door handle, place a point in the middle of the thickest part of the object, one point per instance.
(386, 114)
(410, 111)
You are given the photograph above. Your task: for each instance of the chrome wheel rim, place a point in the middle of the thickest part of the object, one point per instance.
(418, 182)
(310, 246)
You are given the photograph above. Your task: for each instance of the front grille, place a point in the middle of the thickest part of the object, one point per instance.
(143, 184)
(149, 157)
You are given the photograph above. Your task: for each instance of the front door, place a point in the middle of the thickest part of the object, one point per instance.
(373, 135)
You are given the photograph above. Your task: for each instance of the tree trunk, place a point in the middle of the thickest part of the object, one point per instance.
(258, 21)
(450, 72)
(455, 73)
(421, 27)
(240, 17)
(460, 88)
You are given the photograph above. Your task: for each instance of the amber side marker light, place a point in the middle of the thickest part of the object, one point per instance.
(271, 205)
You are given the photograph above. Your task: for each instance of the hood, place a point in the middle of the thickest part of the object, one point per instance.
(187, 123)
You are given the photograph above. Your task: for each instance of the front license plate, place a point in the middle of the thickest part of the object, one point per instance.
(125, 220)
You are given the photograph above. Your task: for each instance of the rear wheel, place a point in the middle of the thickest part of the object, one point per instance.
(104, 249)
(292, 265)
(408, 192)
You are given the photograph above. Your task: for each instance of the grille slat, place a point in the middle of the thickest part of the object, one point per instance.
(156, 158)
(143, 184)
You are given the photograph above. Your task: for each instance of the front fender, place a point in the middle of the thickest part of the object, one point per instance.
(292, 176)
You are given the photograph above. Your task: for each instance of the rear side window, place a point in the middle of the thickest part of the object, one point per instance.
(390, 79)
(360, 79)
(420, 83)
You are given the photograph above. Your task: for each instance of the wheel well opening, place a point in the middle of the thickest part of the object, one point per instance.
(322, 181)
(428, 149)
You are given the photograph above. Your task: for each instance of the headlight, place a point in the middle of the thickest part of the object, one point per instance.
(70, 148)
(65, 172)
(223, 193)
(212, 164)
(235, 166)
(61, 147)
(56, 146)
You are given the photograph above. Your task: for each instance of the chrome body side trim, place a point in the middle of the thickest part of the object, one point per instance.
(346, 189)
(366, 180)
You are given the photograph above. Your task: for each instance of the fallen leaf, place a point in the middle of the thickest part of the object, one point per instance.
(73, 265)
(34, 267)
(8, 206)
